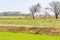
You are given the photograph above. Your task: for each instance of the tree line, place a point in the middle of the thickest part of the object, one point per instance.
(54, 7)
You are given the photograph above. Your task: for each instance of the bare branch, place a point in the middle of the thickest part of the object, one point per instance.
(34, 9)
(56, 8)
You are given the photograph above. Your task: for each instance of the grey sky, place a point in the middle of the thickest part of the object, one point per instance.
(21, 5)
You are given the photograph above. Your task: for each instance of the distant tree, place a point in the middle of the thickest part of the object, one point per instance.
(34, 9)
(55, 7)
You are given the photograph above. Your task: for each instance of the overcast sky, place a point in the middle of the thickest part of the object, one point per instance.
(21, 5)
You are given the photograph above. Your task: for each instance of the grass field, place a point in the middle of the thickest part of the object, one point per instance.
(23, 36)
(49, 22)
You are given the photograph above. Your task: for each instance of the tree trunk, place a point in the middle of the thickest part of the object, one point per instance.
(33, 17)
(56, 16)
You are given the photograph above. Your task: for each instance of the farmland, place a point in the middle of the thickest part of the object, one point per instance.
(17, 20)
(30, 20)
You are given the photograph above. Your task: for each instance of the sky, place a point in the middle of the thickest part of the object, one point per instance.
(21, 5)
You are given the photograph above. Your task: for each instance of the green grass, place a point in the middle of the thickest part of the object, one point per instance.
(24, 36)
(49, 22)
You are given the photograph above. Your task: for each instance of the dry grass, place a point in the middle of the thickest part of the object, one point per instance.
(31, 30)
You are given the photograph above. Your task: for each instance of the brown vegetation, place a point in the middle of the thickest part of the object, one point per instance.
(30, 29)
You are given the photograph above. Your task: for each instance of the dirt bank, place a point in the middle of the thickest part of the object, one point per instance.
(30, 29)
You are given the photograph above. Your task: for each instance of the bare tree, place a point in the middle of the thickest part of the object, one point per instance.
(34, 9)
(55, 8)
